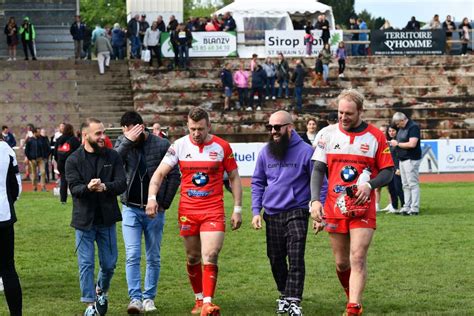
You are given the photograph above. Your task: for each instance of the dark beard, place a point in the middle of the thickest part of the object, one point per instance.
(97, 149)
(279, 149)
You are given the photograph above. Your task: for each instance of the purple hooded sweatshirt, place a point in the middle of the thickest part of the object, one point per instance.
(284, 185)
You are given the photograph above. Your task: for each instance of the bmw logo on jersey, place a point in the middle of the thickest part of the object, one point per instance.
(349, 173)
(200, 179)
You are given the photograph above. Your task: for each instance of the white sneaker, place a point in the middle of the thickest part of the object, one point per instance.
(9, 59)
(273, 98)
(149, 305)
(259, 108)
(255, 97)
(90, 311)
(341, 75)
(267, 97)
(14, 58)
(1, 285)
(377, 207)
(387, 208)
(135, 307)
(249, 108)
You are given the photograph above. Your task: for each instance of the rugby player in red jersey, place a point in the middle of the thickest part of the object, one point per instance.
(202, 160)
(350, 151)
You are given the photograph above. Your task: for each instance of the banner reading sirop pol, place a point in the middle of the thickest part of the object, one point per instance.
(395, 42)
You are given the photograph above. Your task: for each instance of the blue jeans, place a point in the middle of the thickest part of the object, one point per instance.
(118, 52)
(355, 49)
(183, 55)
(106, 239)
(299, 97)
(136, 44)
(135, 222)
(325, 72)
(283, 84)
(270, 84)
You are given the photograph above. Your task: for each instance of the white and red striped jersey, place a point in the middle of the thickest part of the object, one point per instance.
(347, 155)
(202, 169)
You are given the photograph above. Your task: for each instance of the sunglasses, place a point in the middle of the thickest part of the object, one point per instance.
(276, 127)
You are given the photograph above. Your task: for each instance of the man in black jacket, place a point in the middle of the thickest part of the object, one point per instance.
(37, 151)
(142, 152)
(298, 79)
(10, 186)
(77, 31)
(96, 176)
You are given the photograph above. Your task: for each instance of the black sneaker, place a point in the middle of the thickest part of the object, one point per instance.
(282, 305)
(101, 303)
(295, 309)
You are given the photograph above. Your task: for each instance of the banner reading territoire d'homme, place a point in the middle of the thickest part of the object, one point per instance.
(291, 43)
(395, 42)
(205, 44)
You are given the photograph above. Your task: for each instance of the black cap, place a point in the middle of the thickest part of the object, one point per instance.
(332, 117)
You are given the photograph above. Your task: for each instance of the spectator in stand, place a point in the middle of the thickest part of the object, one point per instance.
(118, 42)
(217, 22)
(448, 27)
(210, 27)
(184, 39)
(103, 49)
(395, 186)
(283, 75)
(98, 31)
(386, 26)
(87, 43)
(47, 144)
(157, 131)
(172, 26)
(323, 25)
(435, 23)
(241, 80)
(152, 42)
(308, 41)
(8, 137)
(259, 77)
(253, 62)
(326, 57)
(77, 31)
(309, 26)
(133, 32)
(36, 150)
(464, 35)
(355, 37)
(310, 135)
(192, 24)
(270, 71)
(28, 36)
(298, 79)
(144, 25)
(229, 23)
(161, 24)
(362, 37)
(318, 70)
(228, 84)
(413, 25)
(11, 31)
(341, 58)
(65, 146)
(408, 148)
(202, 24)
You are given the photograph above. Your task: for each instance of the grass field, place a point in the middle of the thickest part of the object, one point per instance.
(417, 265)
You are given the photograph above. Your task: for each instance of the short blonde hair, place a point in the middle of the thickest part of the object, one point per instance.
(352, 95)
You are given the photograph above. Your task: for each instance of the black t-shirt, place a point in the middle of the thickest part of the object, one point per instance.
(403, 136)
(91, 160)
(138, 194)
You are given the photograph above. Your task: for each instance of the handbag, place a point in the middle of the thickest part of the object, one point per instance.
(146, 55)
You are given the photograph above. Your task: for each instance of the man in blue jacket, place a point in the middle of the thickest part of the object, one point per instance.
(77, 31)
(280, 185)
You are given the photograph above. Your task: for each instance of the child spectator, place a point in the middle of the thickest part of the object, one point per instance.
(341, 58)
(259, 78)
(308, 41)
(241, 80)
(253, 62)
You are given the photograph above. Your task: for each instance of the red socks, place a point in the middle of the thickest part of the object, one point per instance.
(209, 280)
(354, 309)
(195, 277)
(344, 279)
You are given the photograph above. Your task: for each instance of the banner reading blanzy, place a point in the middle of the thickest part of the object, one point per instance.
(395, 42)
(291, 43)
(205, 44)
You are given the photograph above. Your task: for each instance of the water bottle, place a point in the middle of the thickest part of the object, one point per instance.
(364, 176)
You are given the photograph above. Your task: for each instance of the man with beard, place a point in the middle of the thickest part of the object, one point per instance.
(356, 157)
(96, 176)
(280, 185)
(142, 152)
(202, 159)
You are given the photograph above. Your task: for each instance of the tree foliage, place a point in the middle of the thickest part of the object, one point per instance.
(103, 12)
(342, 10)
(372, 22)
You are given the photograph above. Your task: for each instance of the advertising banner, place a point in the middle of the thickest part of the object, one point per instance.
(395, 42)
(246, 156)
(205, 44)
(291, 43)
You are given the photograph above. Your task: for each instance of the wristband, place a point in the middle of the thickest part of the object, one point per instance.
(152, 197)
(237, 209)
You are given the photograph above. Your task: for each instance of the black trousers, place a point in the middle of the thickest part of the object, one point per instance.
(11, 283)
(28, 45)
(260, 91)
(155, 51)
(342, 65)
(286, 244)
(63, 182)
(395, 189)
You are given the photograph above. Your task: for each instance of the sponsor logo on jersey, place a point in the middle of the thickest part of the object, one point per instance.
(337, 146)
(349, 173)
(386, 151)
(364, 148)
(171, 152)
(231, 156)
(321, 144)
(188, 156)
(183, 218)
(185, 227)
(213, 155)
(196, 193)
(332, 226)
(200, 179)
(339, 188)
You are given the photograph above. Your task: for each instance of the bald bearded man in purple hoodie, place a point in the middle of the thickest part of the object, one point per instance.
(281, 186)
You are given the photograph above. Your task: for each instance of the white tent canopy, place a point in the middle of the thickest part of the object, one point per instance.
(261, 15)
